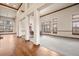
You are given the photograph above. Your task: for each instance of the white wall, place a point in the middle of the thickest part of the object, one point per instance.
(64, 19)
(53, 7)
(8, 12)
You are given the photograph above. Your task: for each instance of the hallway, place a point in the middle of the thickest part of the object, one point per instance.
(37, 29)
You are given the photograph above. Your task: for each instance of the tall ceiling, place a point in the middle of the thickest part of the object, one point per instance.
(14, 6)
(53, 7)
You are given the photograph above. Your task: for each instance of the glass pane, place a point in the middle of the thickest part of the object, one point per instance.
(75, 23)
(6, 24)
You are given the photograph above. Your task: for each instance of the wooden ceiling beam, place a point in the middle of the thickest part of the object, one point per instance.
(8, 6)
(19, 6)
(60, 9)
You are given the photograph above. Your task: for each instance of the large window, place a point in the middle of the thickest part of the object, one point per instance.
(42, 26)
(55, 25)
(75, 24)
(46, 27)
(6, 24)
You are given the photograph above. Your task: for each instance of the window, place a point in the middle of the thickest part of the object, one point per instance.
(75, 24)
(6, 24)
(42, 26)
(46, 27)
(55, 25)
(1, 26)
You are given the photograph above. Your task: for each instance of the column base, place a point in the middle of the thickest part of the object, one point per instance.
(27, 40)
(36, 44)
(18, 36)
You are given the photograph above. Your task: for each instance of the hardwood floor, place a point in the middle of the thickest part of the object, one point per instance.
(7, 44)
(20, 47)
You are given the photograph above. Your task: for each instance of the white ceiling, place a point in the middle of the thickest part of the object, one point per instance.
(49, 7)
(9, 9)
(53, 7)
(7, 12)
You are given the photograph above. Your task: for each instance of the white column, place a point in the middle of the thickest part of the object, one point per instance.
(37, 27)
(27, 28)
(17, 26)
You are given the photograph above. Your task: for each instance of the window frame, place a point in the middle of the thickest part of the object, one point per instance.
(75, 21)
(9, 27)
(54, 23)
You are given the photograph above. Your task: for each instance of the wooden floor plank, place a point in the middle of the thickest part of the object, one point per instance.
(13, 46)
